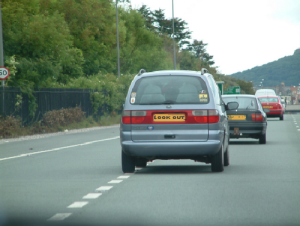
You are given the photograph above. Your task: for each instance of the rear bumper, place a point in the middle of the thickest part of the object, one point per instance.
(252, 130)
(172, 149)
(163, 149)
(274, 113)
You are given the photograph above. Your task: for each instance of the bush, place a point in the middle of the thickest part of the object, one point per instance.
(62, 117)
(9, 126)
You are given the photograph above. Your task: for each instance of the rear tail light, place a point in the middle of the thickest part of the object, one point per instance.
(126, 119)
(191, 117)
(138, 117)
(213, 116)
(257, 117)
(200, 116)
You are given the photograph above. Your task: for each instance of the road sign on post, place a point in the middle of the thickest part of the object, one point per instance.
(220, 84)
(233, 90)
(4, 73)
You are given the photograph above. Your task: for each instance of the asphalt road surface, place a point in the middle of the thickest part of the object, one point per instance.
(76, 179)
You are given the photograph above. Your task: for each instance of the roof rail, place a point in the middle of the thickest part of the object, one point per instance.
(203, 71)
(142, 71)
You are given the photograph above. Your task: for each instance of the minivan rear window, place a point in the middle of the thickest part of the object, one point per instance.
(169, 89)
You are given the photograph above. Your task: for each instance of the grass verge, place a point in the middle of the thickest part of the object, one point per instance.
(10, 127)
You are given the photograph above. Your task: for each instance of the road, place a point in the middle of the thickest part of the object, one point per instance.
(64, 179)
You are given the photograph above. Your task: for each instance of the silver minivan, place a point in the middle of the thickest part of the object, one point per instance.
(174, 114)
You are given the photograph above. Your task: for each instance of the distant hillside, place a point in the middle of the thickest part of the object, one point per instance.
(286, 69)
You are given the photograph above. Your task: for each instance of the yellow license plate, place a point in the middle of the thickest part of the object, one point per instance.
(169, 117)
(267, 106)
(237, 117)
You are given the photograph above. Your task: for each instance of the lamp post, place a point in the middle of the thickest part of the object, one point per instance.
(1, 56)
(174, 54)
(118, 51)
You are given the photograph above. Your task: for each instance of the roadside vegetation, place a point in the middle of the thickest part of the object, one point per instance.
(72, 44)
(54, 121)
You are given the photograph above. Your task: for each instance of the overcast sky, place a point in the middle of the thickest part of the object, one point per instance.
(241, 34)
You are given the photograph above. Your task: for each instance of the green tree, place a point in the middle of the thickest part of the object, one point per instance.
(41, 44)
(140, 48)
(93, 27)
(157, 21)
(198, 49)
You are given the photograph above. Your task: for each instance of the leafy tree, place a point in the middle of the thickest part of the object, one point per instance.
(147, 14)
(93, 27)
(156, 20)
(41, 44)
(141, 48)
(198, 49)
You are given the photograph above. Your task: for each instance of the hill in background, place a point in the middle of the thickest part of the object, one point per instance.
(286, 70)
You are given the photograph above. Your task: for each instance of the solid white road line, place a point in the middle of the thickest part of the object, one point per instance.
(59, 217)
(115, 181)
(57, 149)
(77, 204)
(104, 188)
(92, 196)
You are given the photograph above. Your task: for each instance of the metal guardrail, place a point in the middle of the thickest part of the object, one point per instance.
(292, 108)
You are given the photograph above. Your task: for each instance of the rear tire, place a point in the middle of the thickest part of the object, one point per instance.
(263, 138)
(217, 161)
(226, 156)
(128, 163)
(281, 117)
(140, 162)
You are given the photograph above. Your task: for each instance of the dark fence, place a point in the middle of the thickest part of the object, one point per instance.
(47, 99)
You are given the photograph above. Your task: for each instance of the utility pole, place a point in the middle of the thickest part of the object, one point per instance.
(118, 38)
(174, 53)
(2, 56)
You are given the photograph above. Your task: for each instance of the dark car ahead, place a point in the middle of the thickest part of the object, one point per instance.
(249, 120)
(174, 115)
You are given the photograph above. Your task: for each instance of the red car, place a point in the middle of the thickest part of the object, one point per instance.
(272, 103)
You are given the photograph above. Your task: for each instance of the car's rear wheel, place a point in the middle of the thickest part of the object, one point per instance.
(140, 162)
(226, 156)
(281, 117)
(263, 138)
(128, 163)
(217, 161)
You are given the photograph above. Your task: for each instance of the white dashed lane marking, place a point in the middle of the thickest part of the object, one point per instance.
(57, 149)
(92, 196)
(104, 188)
(78, 204)
(115, 181)
(59, 216)
(123, 177)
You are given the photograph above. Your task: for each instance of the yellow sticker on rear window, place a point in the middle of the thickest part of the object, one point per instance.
(203, 97)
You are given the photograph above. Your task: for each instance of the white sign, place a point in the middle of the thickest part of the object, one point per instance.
(4, 73)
